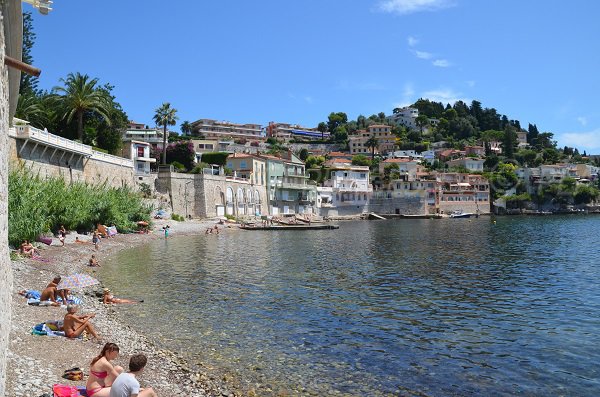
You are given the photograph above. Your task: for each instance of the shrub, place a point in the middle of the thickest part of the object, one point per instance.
(219, 158)
(145, 189)
(37, 206)
(178, 166)
(178, 218)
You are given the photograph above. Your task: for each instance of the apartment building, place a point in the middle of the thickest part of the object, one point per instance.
(213, 129)
(382, 133)
(286, 132)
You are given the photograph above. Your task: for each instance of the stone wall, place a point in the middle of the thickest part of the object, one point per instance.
(200, 195)
(5, 268)
(398, 205)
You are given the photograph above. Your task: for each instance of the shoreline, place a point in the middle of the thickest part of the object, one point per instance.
(35, 363)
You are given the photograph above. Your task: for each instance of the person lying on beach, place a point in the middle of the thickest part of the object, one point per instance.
(51, 293)
(28, 249)
(74, 325)
(94, 262)
(126, 384)
(102, 372)
(77, 240)
(108, 298)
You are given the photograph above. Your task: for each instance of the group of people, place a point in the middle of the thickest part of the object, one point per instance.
(28, 249)
(211, 229)
(106, 380)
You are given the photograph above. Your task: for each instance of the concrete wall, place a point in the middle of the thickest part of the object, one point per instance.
(47, 162)
(415, 204)
(5, 267)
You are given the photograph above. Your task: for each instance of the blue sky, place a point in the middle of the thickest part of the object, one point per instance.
(296, 61)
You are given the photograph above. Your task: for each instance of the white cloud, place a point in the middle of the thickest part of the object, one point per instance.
(403, 7)
(582, 120)
(407, 96)
(423, 55)
(588, 141)
(412, 41)
(444, 95)
(441, 63)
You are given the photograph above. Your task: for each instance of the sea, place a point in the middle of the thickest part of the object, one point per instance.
(411, 307)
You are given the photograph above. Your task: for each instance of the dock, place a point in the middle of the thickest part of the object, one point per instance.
(290, 227)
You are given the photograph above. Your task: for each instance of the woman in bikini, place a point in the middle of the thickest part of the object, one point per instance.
(108, 298)
(102, 372)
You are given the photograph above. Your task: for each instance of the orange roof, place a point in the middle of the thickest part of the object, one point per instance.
(241, 155)
(338, 154)
(339, 161)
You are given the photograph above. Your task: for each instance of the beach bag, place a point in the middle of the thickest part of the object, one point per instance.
(73, 374)
(65, 391)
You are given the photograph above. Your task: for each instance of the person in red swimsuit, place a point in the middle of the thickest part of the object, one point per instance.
(102, 372)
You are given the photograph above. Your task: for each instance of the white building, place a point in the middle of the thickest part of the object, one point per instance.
(139, 152)
(471, 164)
(406, 117)
(213, 129)
(346, 191)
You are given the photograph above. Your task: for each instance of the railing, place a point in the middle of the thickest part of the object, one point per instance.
(109, 158)
(37, 135)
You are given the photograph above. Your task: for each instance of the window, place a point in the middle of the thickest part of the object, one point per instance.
(140, 151)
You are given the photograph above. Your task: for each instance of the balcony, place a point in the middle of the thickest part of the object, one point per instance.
(30, 133)
(147, 159)
(298, 183)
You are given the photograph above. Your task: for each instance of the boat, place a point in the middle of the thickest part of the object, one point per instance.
(460, 214)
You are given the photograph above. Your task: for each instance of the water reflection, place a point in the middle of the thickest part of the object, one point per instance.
(381, 308)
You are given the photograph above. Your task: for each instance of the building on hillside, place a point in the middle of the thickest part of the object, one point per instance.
(406, 117)
(339, 155)
(221, 130)
(346, 191)
(449, 154)
(142, 133)
(406, 168)
(250, 169)
(522, 139)
(462, 192)
(287, 132)
(139, 153)
(475, 151)
(468, 163)
(386, 140)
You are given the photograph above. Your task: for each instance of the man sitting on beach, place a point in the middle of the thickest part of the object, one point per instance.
(126, 384)
(74, 325)
(51, 293)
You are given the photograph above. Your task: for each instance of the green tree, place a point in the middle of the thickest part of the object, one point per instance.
(585, 194)
(421, 121)
(322, 128)
(372, 144)
(336, 120)
(303, 155)
(182, 152)
(79, 97)
(314, 161)
(186, 128)
(109, 135)
(361, 159)
(28, 83)
(509, 142)
(163, 116)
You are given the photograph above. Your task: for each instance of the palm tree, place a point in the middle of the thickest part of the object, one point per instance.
(186, 128)
(165, 115)
(372, 143)
(31, 108)
(80, 95)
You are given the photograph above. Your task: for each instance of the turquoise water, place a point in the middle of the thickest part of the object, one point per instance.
(407, 307)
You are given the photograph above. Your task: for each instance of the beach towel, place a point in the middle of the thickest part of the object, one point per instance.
(68, 391)
(70, 300)
(45, 240)
(112, 231)
(32, 294)
(49, 328)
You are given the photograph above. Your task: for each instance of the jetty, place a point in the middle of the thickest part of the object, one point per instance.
(318, 226)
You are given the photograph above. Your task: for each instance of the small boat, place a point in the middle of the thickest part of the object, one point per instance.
(460, 214)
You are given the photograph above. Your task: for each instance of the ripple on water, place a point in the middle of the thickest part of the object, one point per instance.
(377, 308)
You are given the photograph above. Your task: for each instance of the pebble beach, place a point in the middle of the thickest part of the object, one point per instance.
(35, 362)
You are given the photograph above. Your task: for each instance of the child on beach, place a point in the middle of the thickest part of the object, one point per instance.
(94, 262)
(166, 229)
(126, 384)
(62, 234)
(96, 239)
(102, 372)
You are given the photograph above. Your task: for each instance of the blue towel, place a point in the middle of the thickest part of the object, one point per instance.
(33, 294)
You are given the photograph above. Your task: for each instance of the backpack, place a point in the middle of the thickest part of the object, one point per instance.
(73, 374)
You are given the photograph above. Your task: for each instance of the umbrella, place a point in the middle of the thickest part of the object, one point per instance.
(77, 280)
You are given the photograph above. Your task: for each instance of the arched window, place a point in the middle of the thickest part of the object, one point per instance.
(249, 196)
(229, 195)
(240, 195)
(256, 197)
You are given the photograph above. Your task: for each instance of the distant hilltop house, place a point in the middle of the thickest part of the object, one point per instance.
(382, 133)
(220, 130)
(286, 132)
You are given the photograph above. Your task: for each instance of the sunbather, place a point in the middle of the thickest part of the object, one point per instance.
(28, 249)
(75, 325)
(108, 298)
(52, 293)
(102, 372)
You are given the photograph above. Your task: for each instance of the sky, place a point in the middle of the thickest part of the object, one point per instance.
(296, 61)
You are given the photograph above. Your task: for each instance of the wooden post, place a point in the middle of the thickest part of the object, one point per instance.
(22, 66)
